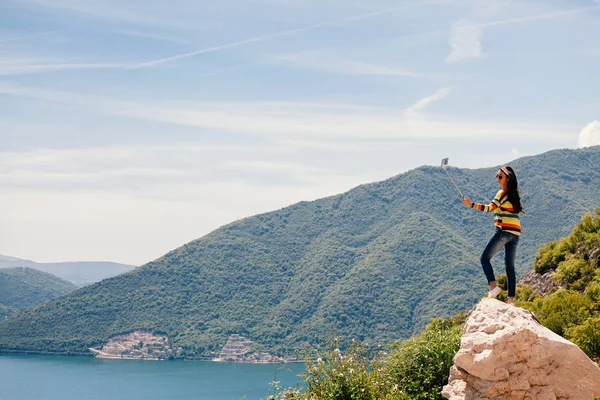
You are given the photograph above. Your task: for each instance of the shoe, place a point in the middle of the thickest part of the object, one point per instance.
(494, 292)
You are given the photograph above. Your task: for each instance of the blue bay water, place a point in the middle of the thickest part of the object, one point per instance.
(35, 377)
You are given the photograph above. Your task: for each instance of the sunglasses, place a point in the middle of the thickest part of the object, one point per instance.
(500, 176)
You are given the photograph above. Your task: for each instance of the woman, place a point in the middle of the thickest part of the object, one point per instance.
(506, 207)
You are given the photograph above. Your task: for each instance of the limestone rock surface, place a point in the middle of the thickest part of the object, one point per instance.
(506, 354)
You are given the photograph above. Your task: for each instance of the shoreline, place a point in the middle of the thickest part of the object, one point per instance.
(101, 354)
(96, 354)
(256, 362)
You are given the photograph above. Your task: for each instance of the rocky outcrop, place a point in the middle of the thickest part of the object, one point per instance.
(506, 354)
(542, 283)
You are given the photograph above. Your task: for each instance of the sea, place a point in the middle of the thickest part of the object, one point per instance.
(38, 377)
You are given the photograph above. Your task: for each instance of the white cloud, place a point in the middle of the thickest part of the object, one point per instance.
(116, 168)
(466, 36)
(465, 41)
(271, 167)
(145, 200)
(419, 105)
(288, 121)
(589, 135)
(138, 226)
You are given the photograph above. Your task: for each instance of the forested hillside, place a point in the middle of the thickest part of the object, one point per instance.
(21, 288)
(418, 368)
(375, 263)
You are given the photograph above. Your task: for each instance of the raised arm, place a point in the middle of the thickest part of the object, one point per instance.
(483, 207)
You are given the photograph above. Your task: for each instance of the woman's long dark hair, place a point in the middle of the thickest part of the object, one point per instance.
(513, 189)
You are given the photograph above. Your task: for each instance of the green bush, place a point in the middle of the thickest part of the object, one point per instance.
(587, 337)
(501, 281)
(573, 312)
(419, 367)
(526, 294)
(548, 258)
(561, 310)
(579, 244)
(575, 272)
(336, 376)
(593, 289)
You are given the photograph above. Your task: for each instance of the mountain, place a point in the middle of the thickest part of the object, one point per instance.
(81, 273)
(563, 292)
(21, 288)
(375, 263)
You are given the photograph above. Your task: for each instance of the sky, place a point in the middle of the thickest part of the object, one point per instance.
(128, 129)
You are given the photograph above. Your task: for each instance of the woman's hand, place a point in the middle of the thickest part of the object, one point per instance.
(466, 201)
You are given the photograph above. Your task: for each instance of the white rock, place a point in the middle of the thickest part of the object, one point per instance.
(506, 354)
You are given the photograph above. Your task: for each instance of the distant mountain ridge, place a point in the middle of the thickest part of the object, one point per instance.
(80, 273)
(374, 263)
(21, 288)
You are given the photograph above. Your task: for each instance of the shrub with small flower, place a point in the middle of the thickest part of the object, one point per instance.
(417, 368)
(338, 376)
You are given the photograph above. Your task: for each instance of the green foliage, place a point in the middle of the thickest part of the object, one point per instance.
(333, 375)
(561, 310)
(501, 281)
(419, 367)
(587, 337)
(549, 257)
(21, 288)
(575, 272)
(415, 369)
(277, 392)
(375, 263)
(526, 294)
(592, 291)
(573, 312)
(580, 243)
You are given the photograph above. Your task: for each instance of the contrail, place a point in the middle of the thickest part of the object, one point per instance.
(278, 34)
(537, 17)
(30, 36)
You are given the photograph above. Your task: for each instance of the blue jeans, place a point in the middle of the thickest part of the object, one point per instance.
(510, 243)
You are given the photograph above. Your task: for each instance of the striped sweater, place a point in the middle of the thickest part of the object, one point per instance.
(505, 217)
